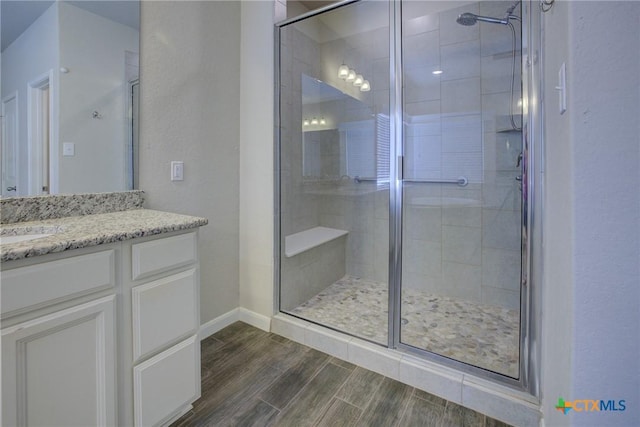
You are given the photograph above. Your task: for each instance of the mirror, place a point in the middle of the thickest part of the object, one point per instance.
(341, 137)
(69, 88)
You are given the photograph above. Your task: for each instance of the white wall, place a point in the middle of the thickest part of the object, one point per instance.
(189, 111)
(93, 49)
(590, 312)
(30, 56)
(557, 304)
(605, 131)
(256, 157)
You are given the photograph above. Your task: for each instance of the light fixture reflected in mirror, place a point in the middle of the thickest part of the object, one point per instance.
(343, 72)
(314, 122)
(351, 76)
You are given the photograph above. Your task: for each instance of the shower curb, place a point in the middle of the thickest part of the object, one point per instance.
(500, 402)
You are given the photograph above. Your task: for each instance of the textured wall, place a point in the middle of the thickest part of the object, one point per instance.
(592, 212)
(190, 111)
(605, 95)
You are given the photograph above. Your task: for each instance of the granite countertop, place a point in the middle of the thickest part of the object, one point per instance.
(76, 232)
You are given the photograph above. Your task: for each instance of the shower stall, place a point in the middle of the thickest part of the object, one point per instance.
(403, 195)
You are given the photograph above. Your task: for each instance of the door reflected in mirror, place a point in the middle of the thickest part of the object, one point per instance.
(69, 92)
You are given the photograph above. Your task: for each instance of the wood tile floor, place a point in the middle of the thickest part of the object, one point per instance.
(254, 378)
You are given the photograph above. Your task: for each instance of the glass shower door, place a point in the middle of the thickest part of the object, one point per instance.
(461, 191)
(334, 169)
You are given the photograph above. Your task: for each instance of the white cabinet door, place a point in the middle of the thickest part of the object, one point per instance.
(165, 385)
(59, 369)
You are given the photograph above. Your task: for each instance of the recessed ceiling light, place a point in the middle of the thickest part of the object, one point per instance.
(436, 72)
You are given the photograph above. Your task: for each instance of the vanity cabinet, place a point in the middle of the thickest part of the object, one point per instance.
(59, 369)
(165, 319)
(59, 348)
(102, 336)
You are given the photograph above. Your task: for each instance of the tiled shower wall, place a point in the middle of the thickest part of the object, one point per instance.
(459, 241)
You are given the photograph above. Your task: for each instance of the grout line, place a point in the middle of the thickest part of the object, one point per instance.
(373, 393)
(405, 407)
(335, 395)
(328, 405)
(306, 384)
(264, 401)
(348, 403)
(325, 408)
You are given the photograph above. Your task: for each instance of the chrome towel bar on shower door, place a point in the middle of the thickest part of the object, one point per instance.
(360, 179)
(461, 181)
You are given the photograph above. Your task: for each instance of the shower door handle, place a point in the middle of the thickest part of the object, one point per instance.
(400, 168)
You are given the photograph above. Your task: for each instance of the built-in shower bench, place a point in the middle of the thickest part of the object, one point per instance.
(297, 243)
(313, 260)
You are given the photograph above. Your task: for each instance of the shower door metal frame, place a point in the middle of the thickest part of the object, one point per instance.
(531, 235)
(532, 181)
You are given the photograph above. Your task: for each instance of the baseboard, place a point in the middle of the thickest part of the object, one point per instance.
(177, 415)
(252, 318)
(220, 322)
(237, 314)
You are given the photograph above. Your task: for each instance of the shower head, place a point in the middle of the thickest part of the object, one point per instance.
(468, 19)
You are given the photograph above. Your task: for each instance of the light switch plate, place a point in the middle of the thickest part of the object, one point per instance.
(177, 171)
(68, 149)
(562, 88)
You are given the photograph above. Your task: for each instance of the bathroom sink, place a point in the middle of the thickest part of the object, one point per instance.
(10, 235)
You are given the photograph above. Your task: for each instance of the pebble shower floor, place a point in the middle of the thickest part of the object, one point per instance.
(479, 334)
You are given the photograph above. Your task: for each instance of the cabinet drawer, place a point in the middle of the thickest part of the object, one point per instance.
(48, 283)
(165, 384)
(160, 255)
(164, 311)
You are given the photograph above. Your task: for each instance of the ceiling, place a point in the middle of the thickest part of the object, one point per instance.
(17, 16)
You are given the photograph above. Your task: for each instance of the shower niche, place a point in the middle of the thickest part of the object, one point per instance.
(401, 200)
